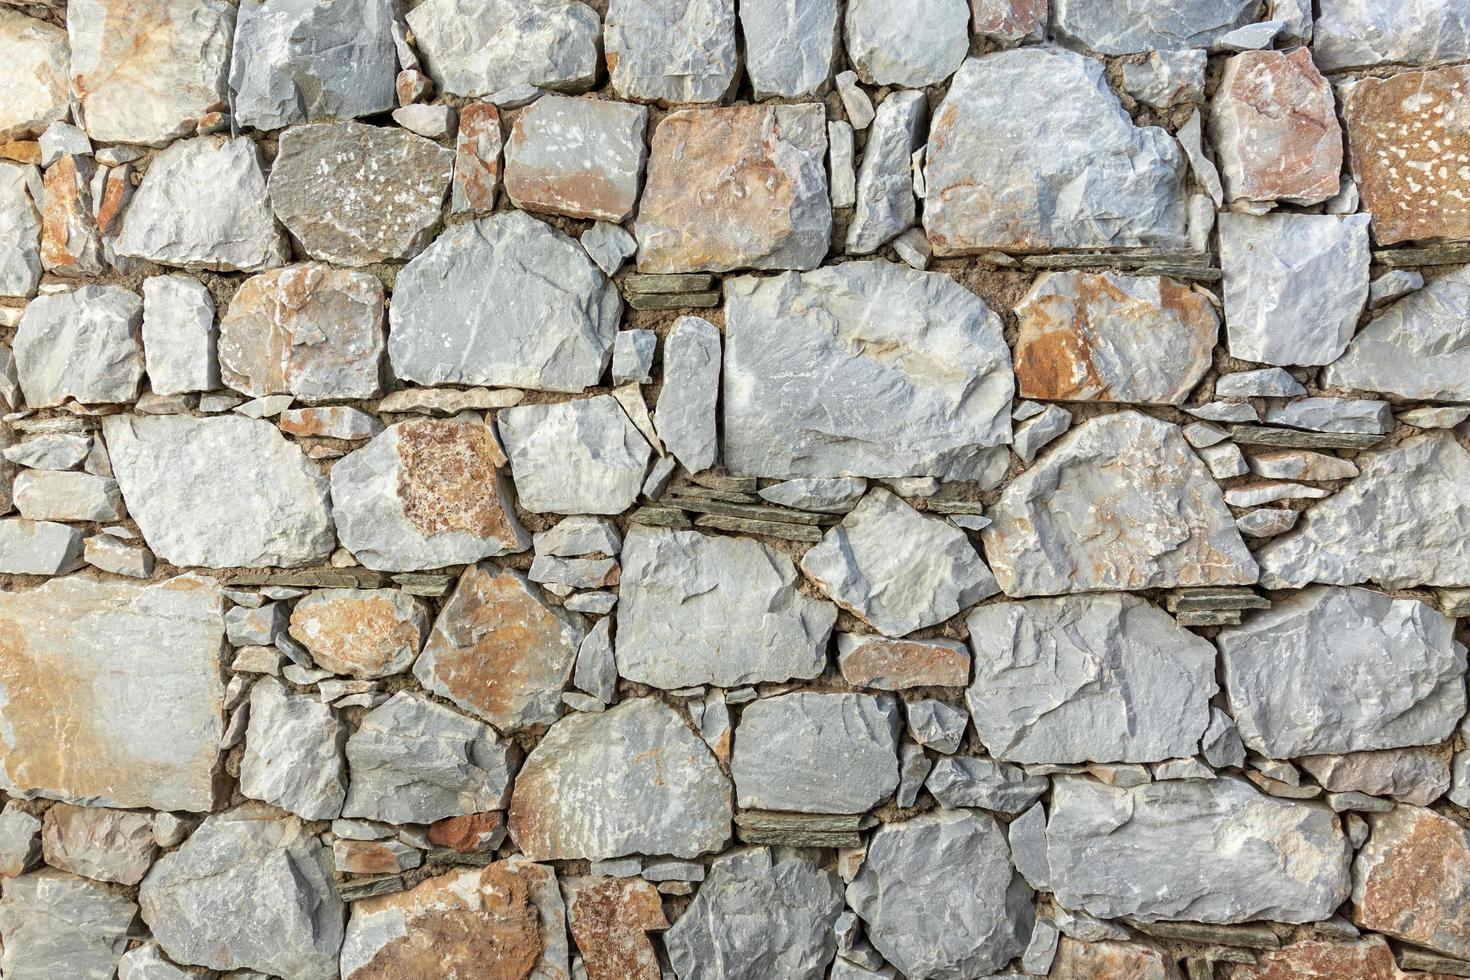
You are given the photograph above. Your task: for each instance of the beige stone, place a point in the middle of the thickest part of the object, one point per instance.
(1411, 880)
(362, 633)
(102, 844)
(610, 920)
(33, 75)
(1418, 774)
(894, 665)
(1111, 961)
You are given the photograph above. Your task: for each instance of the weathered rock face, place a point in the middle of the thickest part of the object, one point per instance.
(476, 158)
(34, 62)
(758, 201)
(1134, 961)
(304, 60)
(179, 336)
(760, 912)
(1120, 502)
(1398, 524)
(181, 479)
(578, 157)
(610, 919)
(70, 243)
(307, 330)
(248, 890)
(1409, 880)
(1315, 959)
(1418, 776)
(789, 47)
(114, 693)
(700, 609)
(1274, 126)
(56, 924)
(1343, 670)
(1206, 851)
(940, 897)
(1140, 25)
(20, 229)
(894, 665)
(578, 457)
(424, 494)
(293, 753)
(473, 48)
(863, 369)
(147, 72)
(363, 633)
(1099, 336)
(885, 183)
(671, 50)
(1031, 151)
(1362, 33)
(1008, 20)
(685, 416)
(1105, 678)
(927, 49)
(1418, 348)
(105, 845)
(630, 780)
(356, 194)
(82, 345)
(503, 301)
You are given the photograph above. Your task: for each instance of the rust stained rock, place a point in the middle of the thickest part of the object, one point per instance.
(610, 919)
(1411, 880)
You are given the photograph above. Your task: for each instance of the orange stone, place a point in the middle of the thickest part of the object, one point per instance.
(1411, 880)
(367, 857)
(70, 245)
(1366, 959)
(894, 665)
(362, 633)
(610, 920)
(1112, 961)
(21, 151)
(477, 157)
(469, 834)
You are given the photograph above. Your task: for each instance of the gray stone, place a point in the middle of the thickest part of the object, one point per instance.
(1221, 745)
(1101, 678)
(838, 372)
(575, 536)
(631, 780)
(1262, 383)
(1417, 776)
(897, 569)
(1418, 348)
(1035, 434)
(913, 769)
(147, 962)
(20, 222)
(1294, 284)
(1041, 951)
(179, 335)
(304, 60)
(355, 194)
(1132, 26)
(293, 753)
(1166, 78)
(885, 189)
(700, 609)
(1364, 33)
(1393, 284)
(503, 301)
(1333, 415)
(936, 725)
(597, 670)
(202, 205)
(478, 48)
(610, 246)
(817, 753)
(1400, 523)
(1343, 670)
(578, 457)
(1196, 850)
(34, 63)
(939, 895)
(1250, 37)
(49, 495)
(855, 102)
(1153, 516)
(975, 781)
(837, 495)
(413, 760)
(911, 45)
(1026, 836)
(58, 925)
(1226, 461)
(81, 344)
(671, 50)
(113, 555)
(98, 843)
(20, 841)
(1031, 151)
(50, 451)
(790, 47)
(434, 122)
(685, 416)
(248, 889)
(761, 913)
(578, 157)
(220, 492)
(632, 360)
(39, 547)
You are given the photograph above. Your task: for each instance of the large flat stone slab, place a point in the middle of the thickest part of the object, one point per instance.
(671, 50)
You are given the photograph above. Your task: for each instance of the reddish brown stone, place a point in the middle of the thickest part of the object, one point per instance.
(578, 157)
(371, 857)
(1418, 774)
(70, 245)
(477, 157)
(447, 480)
(1008, 20)
(413, 86)
(894, 665)
(1411, 880)
(610, 920)
(1111, 961)
(469, 834)
(1366, 959)
(21, 151)
(117, 191)
(1408, 145)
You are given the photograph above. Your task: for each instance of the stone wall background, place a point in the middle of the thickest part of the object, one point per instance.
(651, 488)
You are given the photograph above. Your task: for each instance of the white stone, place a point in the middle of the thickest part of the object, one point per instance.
(58, 925)
(578, 457)
(885, 189)
(39, 547)
(1419, 348)
(1166, 78)
(179, 335)
(34, 68)
(80, 344)
(685, 416)
(293, 753)
(790, 47)
(671, 50)
(912, 45)
(474, 47)
(20, 226)
(50, 495)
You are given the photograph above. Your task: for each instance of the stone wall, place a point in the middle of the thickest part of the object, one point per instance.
(734, 491)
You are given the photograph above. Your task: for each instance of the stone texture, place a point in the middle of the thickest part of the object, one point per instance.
(1167, 78)
(503, 301)
(1099, 336)
(70, 243)
(113, 692)
(757, 198)
(249, 889)
(578, 457)
(147, 962)
(39, 547)
(59, 925)
(895, 665)
(1295, 285)
(1413, 775)
(578, 157)
(1031, 151)
(671, 50)
(925, 49)
(1110, 959)
(1364, 33)
(305, 60)
(1199, 850)
(610, 919)
(671, 797)
(1319, 959)
(55, 496)
(34, 62)
(1153, 516)
(362, 633)
(20, 228)
(293, 753)
(1131, 26)
(476, 48)
(220, 492)
(426, 493)
(863, 369)
(477, 148)
(940, 897)
(685, 416)
(1343, 670)
(699, 609)
(80, 344)
(179, 335)
(1417, 348)
(760, 913)
(816, 753)
(148, 72)
(101, 844)
(790, 48)
(978, 781)
(1008, 21)
(1409, 880)
(355, 194)
(20, 841)
(885, 183)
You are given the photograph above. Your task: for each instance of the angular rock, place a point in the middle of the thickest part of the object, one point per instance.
(976, 781)
(1031, 151)
(476, 158)
(816, 753)
(1166, 78)
(735, 188)
(44, 495)
(834, 496)
(34, 62)
(202, 205)
(1419, 348)
(330, 422)
(685, 416)
(58, 925)
(179, 335)
(147, 962)
(761, 912)
(1134, 961)
(1196, 850)
(1334, 415)
(293, 753)
(355, 194)
(70, 243)
(577, 457)
(610, 246)
(305, 60)
(671, 50)
(1261, 383)
(413, 760)
(101, 844)
(896, 665)
(477, 48)
(1343, 670)
(940, 897)
(1099, 336)
(81, 344)
(610, 919)
(20, 227)
(885, 183)
(1008, 21)
(1105, 678)
(148, 73)
(578, 157)
(790, 48)
(362, 633)
(20, 841)
(699, 609)
(249, 889)
(873, 335)
(1364, 33)
(923, 49)
(1409, 880)
(39, 547)
(1418, 776)
(1132, 26)
(1369, 958)
(1154, 516)
(113, 692)
(503, 301)
(671, 798)
(424, 494)
(220, 492)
